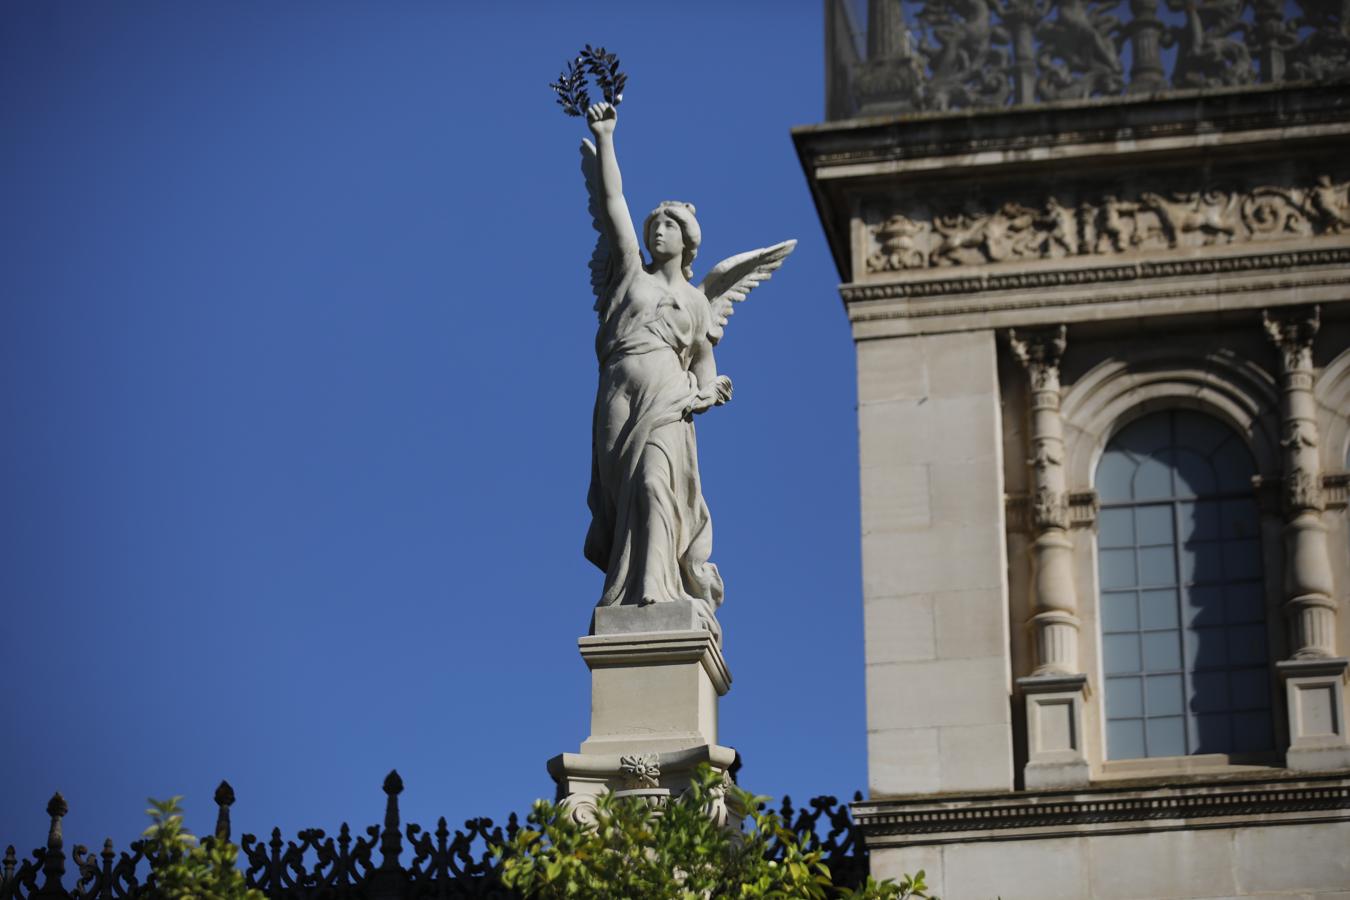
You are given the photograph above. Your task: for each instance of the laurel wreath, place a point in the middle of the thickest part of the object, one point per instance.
(599, 64)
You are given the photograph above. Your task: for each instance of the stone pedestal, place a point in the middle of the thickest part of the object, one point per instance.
(1055, 755)
(1315, 693)
(656, 677)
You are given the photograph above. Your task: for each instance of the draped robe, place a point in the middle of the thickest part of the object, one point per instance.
(650, 529)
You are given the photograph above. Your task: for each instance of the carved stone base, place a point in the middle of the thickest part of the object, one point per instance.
(656, 676)
(654, 777)
(1315, 694)
(1054, 711)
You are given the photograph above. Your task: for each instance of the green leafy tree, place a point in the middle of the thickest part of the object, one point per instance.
(182, 868)
(679, 852)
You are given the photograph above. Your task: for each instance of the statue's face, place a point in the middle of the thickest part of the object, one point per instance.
(664, 238)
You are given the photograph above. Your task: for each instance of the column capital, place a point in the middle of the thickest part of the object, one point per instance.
(1291, 330)
(1039, 351)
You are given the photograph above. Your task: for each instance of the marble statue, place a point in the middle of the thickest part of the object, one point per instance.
(650, 530)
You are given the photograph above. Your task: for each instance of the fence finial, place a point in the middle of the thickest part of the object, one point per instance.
(224, 800)
(54, 860)
(391, 842)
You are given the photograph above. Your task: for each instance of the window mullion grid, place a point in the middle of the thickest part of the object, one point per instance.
(1187, 657)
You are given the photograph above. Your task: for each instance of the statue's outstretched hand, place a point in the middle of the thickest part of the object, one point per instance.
(601, 118)
(716, 395)
(722, 389)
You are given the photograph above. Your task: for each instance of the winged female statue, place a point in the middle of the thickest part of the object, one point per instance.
(650, 530)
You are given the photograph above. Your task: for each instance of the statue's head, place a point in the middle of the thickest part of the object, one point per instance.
(661, 242)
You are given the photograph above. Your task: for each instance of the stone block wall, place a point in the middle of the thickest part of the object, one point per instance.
(934, 593)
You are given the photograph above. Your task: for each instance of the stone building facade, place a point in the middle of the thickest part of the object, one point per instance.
(1102, 325)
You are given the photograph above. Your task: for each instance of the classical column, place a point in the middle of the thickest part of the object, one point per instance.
(1314, 675)
(1055, 622)
(1055, 689)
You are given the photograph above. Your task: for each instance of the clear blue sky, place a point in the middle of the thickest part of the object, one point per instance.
(296, 372)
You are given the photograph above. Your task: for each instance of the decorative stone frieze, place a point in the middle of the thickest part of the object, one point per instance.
(1072, 225)
(1314, 675)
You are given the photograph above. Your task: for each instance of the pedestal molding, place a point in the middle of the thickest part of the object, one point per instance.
(657, 648)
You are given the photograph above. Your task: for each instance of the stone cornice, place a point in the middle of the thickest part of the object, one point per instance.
(1024, 816)
(1186, 116)
(1045, 294)
(981, 282)
(960, 154)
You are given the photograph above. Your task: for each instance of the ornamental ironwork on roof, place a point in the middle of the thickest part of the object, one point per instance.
(899, 56)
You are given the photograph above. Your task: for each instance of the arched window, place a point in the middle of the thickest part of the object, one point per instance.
(1184, 643)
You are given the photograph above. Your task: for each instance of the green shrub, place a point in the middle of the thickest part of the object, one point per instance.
(181, 868)
(631, 851)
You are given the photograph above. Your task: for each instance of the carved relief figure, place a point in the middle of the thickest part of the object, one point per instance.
(1043, 457)
(1208, 214)
(967, 68)
(650, 529)
(1077, 55)
(1303, 490)
(1011, 233)
(982, 53)
(1324, 54)
(958, 233)
(1109, 224)
(1049, 509)
(1330, 203)
(1060, 228)
(1299, 435)
(903, 244)
(1209, 56)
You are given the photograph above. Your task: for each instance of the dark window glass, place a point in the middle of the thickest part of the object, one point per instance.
(1179, 564)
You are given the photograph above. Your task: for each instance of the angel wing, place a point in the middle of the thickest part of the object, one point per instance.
(601, 262)
(731, 280)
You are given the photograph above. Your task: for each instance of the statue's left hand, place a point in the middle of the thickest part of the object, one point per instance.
(704, 400)
(722, 388)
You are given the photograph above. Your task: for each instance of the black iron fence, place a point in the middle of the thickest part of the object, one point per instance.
(441, 864)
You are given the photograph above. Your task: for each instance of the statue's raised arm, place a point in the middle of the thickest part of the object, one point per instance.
(616, 248)
(650, 529)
